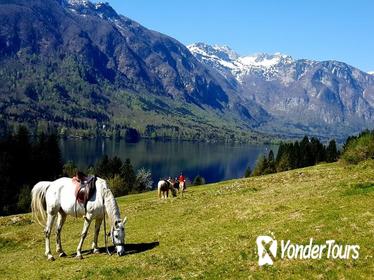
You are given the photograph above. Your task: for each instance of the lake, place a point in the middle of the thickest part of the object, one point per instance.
(215, 162)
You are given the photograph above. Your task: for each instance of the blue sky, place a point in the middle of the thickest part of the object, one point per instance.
(321, 30)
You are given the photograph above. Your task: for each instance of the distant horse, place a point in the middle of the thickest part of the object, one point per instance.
(164, 186)
(182, 187)
(57, 198)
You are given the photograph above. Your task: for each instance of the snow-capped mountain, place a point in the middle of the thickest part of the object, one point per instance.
(230, 63)
(371, 72)
(85, 7)
(102, 66)
(320, 95)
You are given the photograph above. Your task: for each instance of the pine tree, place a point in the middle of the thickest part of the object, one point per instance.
(247, 172)
(261, 166)
(331, 152)
(114, 166)
(102, 168)
(128, 175)
(271, 163)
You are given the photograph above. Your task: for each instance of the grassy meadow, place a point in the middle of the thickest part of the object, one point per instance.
(210, 233)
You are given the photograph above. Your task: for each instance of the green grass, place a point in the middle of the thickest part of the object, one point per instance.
(210, 233)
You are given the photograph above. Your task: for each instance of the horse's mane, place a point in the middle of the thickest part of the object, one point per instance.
(111, 205)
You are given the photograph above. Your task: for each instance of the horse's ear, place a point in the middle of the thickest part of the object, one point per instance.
(124, 220)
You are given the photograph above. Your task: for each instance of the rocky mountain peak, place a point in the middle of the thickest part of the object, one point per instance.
(85, 7)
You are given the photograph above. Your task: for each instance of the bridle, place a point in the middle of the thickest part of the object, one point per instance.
(112, 236)
(111, 233)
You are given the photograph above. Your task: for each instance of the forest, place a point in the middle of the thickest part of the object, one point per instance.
(27, 158)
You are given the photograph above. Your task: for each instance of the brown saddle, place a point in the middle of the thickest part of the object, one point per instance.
(85, 187)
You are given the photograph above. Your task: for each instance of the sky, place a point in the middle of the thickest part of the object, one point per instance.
(312, 29)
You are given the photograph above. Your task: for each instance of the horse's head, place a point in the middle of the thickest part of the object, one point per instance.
(118, 236)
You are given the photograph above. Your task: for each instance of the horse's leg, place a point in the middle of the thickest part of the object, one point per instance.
(86, 225)
(61, 217)
(96, 235)
(47, 232)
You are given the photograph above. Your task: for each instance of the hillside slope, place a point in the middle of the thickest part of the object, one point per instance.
(78, 64)
(211, 232)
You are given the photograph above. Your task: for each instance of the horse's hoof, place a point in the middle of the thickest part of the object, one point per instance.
(96, 251)
(79, 257)
(62, 254)
(51, 258)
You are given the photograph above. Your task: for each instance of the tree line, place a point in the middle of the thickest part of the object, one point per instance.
(311, 151)
(23, 163)
(120, 175)
(26, 160)
(293, 155)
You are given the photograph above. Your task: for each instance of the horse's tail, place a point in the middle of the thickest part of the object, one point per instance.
(38, 205)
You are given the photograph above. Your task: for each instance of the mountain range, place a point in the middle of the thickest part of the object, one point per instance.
(318, 96)
(80, 67)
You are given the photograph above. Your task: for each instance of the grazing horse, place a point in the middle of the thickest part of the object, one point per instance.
(57, 199)
(163, 188)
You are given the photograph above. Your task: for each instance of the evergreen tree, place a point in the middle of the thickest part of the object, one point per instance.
(307, 158)
(271, 156)
(261, 166)
(317, 150)
(247, 172)
(271, 163)
(332, 152)
(128, 175)
(297, 154)
(115, 166)
(102, 168)
(281, 150)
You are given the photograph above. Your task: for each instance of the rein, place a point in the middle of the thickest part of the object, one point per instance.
(105, 235)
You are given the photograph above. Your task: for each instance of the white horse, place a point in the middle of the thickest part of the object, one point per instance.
(163, 188)
(57, 198)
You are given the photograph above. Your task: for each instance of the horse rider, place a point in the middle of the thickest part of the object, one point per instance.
(182, 181)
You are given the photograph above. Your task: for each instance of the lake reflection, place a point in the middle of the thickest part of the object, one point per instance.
(215, 162)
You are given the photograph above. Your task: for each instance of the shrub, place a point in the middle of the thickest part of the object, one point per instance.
(143, 180)
(117, 185)
(359, 149)
(69, 169)
(199, 180)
